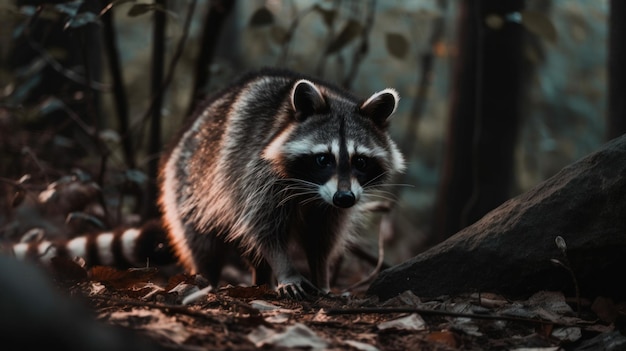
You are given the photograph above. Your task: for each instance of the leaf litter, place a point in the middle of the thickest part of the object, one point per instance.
(237, 318)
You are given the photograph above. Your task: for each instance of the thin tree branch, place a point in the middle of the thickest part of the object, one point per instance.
(159, 85)
(119, 90)
(171, 68)
(216, 14)
(386, 310)
(363, 48)
(427, 63)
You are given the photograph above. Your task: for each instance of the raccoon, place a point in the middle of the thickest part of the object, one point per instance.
(120, 248)
(276, 158)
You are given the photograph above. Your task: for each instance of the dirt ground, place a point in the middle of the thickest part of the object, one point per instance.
(178, 313)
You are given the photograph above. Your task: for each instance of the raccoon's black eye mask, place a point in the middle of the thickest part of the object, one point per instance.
(367, 170)
(361, 163)
(325, 160)
(315, 168)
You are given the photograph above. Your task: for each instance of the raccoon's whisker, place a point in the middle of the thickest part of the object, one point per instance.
(297, 194)
(381, 196)
(287, 198)
(289, 182)
(305, 201)
(298, 181)
(300, 193)
(309, 200)
(374, 179)
(302, 186)
(291, 192)
(293, 188)
(379, 189)
(380, 192)
(397, 184)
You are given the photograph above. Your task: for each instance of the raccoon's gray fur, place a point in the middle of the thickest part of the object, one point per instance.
(273, 158)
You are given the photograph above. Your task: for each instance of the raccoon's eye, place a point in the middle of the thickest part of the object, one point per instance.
(323, 160)
(360, 163)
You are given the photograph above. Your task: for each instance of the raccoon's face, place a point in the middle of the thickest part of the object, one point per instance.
(335, 148)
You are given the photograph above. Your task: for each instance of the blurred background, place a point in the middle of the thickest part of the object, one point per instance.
(496, 96)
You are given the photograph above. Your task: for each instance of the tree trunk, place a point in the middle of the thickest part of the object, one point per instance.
(477, 171)
(216, 14)
(119, 90)
(156, 85)
(616, 124)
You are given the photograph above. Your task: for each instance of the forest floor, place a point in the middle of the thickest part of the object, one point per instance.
(244, 318)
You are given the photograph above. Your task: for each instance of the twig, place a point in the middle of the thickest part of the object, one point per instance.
(562, 245)
(155, 105)
(427, 63)
(383, 310)
(56, 65)
(119, 90)
(383, 232)
(170, 73)
(363, 48)
(321, 64)
(26, 150)
(154, 111)
(216, 14)
(179, 309)
(282, 58)
(90, 109)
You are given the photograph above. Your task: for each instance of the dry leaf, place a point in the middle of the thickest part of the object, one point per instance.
(360, 345)
(445, 337)
(410, 322)
(295, 336)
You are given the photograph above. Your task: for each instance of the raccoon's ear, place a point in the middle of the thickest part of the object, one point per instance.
(380, 106)
(307, 99)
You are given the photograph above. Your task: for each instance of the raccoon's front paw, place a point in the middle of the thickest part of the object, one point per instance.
(297, 288)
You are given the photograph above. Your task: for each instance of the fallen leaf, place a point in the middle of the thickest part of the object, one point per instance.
(567, 334)
(360, 345)
(154, 322)
(410, 322)
(196, 294)
(445, 337)
(297, 335)
(262, 305)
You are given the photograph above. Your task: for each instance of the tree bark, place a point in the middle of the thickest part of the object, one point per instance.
(216, 14)
(156, 85)
(616, 124)
(477, 172)
(119, 90)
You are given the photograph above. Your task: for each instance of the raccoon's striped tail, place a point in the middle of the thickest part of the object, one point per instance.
(120, 248)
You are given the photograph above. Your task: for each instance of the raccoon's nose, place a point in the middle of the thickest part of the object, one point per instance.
(344, 199)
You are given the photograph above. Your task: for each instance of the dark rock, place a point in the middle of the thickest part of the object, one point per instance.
(509, 250)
